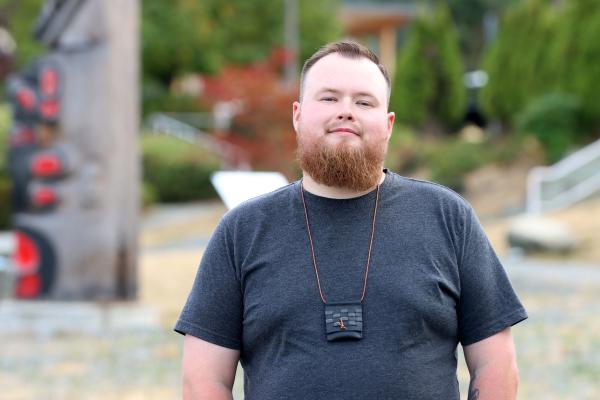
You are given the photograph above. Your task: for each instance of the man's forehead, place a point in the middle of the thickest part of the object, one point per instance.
(338, 72)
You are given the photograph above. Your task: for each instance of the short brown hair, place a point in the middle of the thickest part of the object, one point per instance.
(348, 49)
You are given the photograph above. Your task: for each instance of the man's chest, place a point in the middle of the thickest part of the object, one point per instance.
(412, 287)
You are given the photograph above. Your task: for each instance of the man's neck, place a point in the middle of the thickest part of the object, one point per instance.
(310, 185)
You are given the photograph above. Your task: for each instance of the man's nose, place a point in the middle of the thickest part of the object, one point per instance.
(345, 112)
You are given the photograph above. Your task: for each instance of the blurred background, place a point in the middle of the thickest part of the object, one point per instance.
(115, 114)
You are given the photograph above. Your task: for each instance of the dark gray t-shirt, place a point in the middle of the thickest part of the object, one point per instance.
(434, 281)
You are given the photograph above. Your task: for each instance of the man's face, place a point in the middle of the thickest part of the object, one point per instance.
(342, 123)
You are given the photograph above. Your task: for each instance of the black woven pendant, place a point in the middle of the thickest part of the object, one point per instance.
(344, 321)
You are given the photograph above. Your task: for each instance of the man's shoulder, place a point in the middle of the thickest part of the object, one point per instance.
(275, 197)
(266, 204)
(419, 189)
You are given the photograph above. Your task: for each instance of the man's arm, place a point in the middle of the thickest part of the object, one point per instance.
(208, 370)
(492, 364)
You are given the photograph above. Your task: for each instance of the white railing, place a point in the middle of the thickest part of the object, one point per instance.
(172, 125)
(565, 183)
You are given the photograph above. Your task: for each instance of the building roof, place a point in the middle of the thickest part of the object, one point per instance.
(364, 18)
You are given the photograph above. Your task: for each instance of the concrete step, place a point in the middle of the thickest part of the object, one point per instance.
(50, 317)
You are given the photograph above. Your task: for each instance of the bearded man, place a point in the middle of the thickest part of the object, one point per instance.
(354, 282)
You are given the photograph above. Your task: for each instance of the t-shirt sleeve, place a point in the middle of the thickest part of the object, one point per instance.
(213, 311)
(488, 303)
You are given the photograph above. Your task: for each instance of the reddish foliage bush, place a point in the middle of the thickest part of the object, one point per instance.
(263, 126)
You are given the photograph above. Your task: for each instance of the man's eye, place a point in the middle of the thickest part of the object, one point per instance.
(329, 99)
(364, 103)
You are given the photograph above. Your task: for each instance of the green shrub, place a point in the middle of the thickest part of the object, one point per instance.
(405, 153)
(4, 180)
(149, 195)
(156, 98)
(450, 162)
(175, 171)
(556, 121)
(447, 160)
(506, 150)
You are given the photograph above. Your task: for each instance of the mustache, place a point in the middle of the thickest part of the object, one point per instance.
(344, 127)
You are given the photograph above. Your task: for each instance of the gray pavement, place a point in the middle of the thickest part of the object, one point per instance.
(161, 216)
(549, 273)
(195, 222)
(50, 317)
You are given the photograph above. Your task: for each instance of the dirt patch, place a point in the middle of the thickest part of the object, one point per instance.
(498, 195)
(166, 278)
(583, 220)
(496, 191)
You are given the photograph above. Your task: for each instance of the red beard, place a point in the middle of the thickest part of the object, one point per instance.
(356, 168)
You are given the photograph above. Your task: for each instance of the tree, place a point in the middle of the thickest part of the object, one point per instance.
(262, 127)
(177, 37)
(185, 36)
(469, 16)
(428, 87)
(191, 36)
(575, 56)
(20, 17)
(318, 25)
(517, 63)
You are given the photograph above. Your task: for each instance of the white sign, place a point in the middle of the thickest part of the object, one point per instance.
(235, 187)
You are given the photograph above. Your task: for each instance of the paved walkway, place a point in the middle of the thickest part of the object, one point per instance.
(549, 273)
(51, 317)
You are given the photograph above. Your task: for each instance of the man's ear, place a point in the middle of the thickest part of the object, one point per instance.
(295, 114)
(391, 117)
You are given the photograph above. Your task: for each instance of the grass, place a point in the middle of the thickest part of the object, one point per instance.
(173, 150)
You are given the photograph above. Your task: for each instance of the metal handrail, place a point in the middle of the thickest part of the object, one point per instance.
(587, 187)
(167, 124)
(575, 161)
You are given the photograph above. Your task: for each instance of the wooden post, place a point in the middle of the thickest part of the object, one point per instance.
(93, 230)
